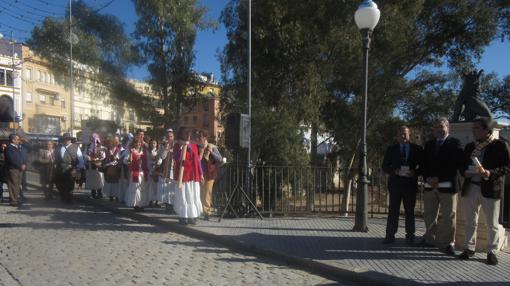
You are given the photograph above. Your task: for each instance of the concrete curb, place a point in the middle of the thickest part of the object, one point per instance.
(343, 273)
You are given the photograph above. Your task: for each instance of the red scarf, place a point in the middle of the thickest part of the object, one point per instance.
(138, 164)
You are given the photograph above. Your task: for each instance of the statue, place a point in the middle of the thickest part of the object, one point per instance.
(469, 103)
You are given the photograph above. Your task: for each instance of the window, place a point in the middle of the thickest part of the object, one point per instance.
(48, 79)
(28, 97)
(63, 103)
(41, 76)
(42, 98)
(10, 79)
(195, 119)
(28, 74)
(53, 79)
(206, 105)
(2, 77)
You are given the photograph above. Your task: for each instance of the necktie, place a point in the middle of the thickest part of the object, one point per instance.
(404, 153)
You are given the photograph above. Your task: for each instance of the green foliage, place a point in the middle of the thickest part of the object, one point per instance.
(102, 52)
(307, 59)
(165, 34)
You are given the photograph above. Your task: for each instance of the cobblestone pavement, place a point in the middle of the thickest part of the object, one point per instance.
(331, 241)
(48, 243)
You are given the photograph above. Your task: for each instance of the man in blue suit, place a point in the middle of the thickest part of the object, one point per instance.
(14, 164)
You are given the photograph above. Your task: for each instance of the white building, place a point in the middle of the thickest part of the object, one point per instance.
(10, 81)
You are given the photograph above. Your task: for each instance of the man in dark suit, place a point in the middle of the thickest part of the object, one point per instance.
(401, 163)
(14, 165)
(443, 156)
(487, 161)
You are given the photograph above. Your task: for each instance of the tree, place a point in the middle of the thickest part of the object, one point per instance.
(102, 52)
(307, 66)
(165, 34)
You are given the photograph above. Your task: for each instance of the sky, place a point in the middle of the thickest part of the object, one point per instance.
(21, 15)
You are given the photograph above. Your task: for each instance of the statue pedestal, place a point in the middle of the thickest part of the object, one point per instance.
(462, 131)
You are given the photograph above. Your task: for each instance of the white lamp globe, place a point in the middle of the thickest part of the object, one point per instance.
(367, 16)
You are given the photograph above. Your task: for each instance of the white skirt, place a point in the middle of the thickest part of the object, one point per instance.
(94, 180)
(136, 194)
(187, 200)
(166, 191)
(111, 189)
(152, 189)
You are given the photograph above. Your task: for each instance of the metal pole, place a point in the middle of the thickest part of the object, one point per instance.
(248, 185)
(13, 88)
(71, 100)
(361, 219)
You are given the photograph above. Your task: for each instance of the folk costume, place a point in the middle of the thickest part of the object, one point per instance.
(95, 154)
(112, 171)
(152, 182)
(187, 203)
(165, 170)
(69, 161)
(136, 194)
(46, 161)
(210, 159)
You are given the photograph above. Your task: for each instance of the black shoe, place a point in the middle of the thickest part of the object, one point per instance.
(388, 240)
(192, 221)
(99, 194)
(466, 254)
(449, 250)
(93, 194)
(206, 216)
(183, 221)
(111, 199)
(137, 209)
(492, 259)
(410, 240)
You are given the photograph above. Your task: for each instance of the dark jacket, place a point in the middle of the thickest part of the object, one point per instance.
(443, 162)
(393, 161)
(13, 158)
(496, 159)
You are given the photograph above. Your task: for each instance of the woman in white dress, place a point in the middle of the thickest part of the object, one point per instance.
(124, 174)
(136, 194)
(112, 168)
(152, 184)
(94, 180)
(189, 173)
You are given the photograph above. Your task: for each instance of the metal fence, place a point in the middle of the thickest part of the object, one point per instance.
(306, 190)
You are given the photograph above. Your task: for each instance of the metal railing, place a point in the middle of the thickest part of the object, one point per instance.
(299, 190)
(308, 190)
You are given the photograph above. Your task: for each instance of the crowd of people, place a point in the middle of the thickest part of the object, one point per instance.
(483, 164)
(177, 173)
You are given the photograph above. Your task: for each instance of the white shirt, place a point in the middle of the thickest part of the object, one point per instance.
(79, 155)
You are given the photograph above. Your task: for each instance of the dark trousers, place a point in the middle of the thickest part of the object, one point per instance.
(397, 196)
(65, 186)
(14, 184)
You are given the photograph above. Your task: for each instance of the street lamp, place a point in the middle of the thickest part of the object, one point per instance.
(366, 18)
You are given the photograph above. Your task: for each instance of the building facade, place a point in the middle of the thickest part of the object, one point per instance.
(46, 102)
(205, 113)
(10, 82)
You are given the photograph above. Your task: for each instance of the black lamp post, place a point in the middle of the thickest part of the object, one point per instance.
(366, 18)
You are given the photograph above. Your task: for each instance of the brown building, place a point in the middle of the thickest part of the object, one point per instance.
(205, 114)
